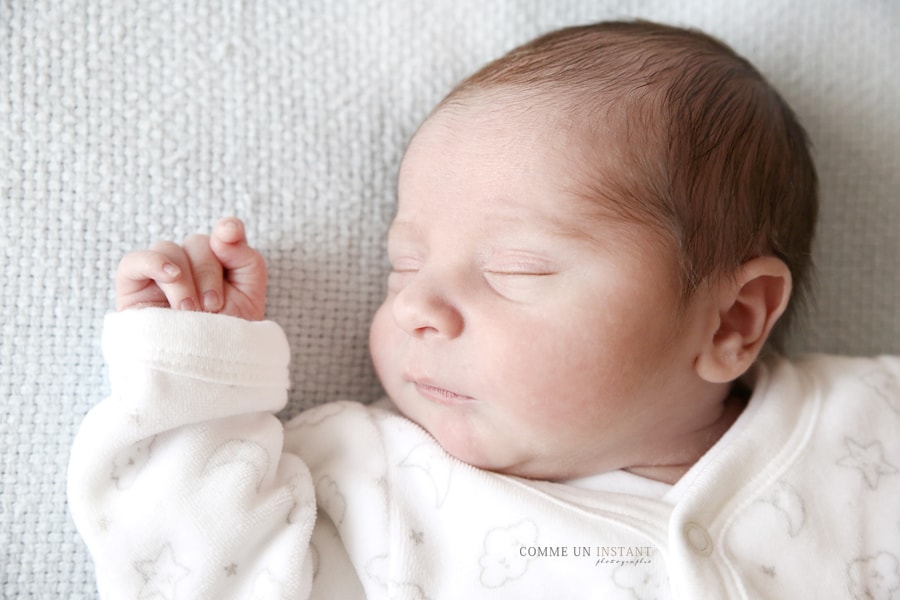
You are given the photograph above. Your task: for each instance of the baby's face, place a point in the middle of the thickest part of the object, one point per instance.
(525, 331)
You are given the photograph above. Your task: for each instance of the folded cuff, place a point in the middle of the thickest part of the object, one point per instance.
(198, 345)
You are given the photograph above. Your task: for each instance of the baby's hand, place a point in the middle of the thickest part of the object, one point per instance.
(219, 273)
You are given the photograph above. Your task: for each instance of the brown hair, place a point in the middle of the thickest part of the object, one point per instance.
(711, 155)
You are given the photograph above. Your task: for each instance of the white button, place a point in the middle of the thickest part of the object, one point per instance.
(698, 539)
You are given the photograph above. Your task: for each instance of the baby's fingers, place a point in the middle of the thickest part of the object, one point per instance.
(207, 272)
(160, 276)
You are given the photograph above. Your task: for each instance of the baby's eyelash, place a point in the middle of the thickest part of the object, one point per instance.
(519, 272)
(533, 268)
(518, 262)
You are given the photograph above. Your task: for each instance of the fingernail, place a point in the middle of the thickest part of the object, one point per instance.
(188, 304)
(229, 230)
(171, 270)
(210, 300)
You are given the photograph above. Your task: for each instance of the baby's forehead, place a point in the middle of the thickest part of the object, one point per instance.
(584, 155)
(600, 126)
(534, 121)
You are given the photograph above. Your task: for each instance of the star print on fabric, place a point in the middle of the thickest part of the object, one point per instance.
(129, 463)
(870, 461)
(161, 575)
(231, 570)
(417, 537)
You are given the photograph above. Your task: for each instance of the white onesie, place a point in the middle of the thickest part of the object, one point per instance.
(184, 484)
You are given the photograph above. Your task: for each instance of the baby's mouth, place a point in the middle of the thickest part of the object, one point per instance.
(440, 395)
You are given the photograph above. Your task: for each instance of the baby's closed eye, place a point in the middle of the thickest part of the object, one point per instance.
(519, 264)
(520, 280)
(521, 270)
(402, 271)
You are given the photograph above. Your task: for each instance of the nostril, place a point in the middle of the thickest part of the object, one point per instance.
(425, 330)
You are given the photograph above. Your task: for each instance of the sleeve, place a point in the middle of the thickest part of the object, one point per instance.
(178, 481)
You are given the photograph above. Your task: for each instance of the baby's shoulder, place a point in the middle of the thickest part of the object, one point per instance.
(856, 398)
(860, 378)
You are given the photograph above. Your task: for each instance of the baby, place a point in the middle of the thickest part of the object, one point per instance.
(599, 238)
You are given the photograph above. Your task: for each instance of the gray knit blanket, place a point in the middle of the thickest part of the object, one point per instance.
(123, 122)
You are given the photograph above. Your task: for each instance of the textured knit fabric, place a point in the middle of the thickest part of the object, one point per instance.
(185, 485)
(123, 122)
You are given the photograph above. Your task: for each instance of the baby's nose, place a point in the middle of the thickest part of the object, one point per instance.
(422, 309)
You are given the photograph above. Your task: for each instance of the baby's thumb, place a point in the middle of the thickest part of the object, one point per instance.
(244, 266)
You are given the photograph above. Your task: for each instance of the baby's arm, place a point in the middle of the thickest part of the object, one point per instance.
(178, 481)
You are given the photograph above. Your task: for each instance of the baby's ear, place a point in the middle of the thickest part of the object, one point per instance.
(749, 304)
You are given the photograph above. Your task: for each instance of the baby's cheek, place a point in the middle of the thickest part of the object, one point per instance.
(380, 346)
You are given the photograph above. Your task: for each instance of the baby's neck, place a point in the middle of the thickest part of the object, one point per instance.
(703, 440)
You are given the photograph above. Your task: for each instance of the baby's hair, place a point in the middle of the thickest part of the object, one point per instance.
(705, 151)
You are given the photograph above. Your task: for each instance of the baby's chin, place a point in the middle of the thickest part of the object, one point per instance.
(496, 460)
(461, 438)
(461, 443)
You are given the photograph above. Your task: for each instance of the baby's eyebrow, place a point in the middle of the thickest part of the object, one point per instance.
(586, 224)
(549, 224)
